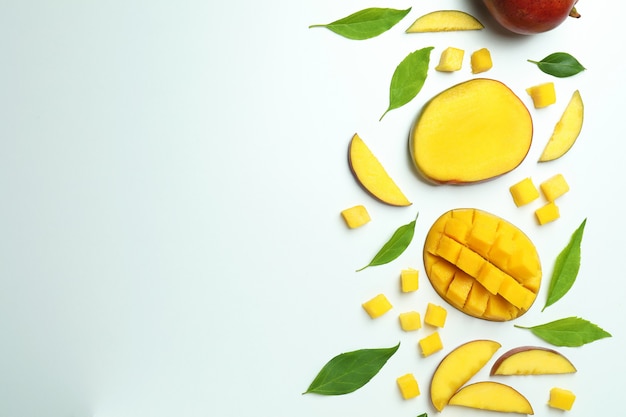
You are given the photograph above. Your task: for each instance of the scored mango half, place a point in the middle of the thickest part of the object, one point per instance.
(482, 265)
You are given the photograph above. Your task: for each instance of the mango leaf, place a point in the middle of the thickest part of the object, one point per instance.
(408, 78)
(366, 23)
(568, 332)
(394, 247)
(350, 371)
(566, 268)
(559, 64)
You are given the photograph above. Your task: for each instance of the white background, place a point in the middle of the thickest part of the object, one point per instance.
(171, 176)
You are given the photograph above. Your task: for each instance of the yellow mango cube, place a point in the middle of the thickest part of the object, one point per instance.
(441, 274)
(502, 248)
(451, 60)
(469, 261)
(408, 386)
(482, 236)
(459, 289)
(435, 315)
(477, 300)
(355, 216)
(430, 344)
(456, 229)
(524, 192)
(561, 398)
(481, 61)
(516, 294)
(410, 321)
(554, 187)
(377, 306)
(548, 213)
(542, 95)
(409, 280)
(449, 249)
(491, 278)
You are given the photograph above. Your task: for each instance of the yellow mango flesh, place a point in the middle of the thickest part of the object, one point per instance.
(532, 361)
(566, 131)
(371, 174)
(482, 265)
(492, 396)
(458, 367)
(445, 21)
(471, 132)
(561, 399)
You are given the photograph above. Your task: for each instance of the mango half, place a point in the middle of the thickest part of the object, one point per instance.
(474, 131)
(482, 265)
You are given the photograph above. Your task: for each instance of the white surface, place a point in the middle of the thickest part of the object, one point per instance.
(171, 177)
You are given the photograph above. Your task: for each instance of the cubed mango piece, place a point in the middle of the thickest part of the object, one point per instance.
(441, 274)
(522, 265)
(499, 309)
(502, 248)
(542, 95)
(490, 277)
(355, 216)
(561, 398)
(377, 306)
(456, 229)
(470, 261)
(408, 385)
(459, 289)
(410, 321)
(524, 192)
(435, 315)
(449, 249)
(512, 291)
(430, 344)
(477, 300)
(480, 61)
(482, 236)
(554, 187)
(547, 213)
(409, 280)
(451, 60)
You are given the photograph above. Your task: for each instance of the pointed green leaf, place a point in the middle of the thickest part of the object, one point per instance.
(394, 247)
(366, 23)
(408, 78)
(349, 371)
(566, 267)
(559, 64)
(569, 332)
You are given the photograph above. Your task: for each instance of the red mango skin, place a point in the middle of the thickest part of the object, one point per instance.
(527, 17)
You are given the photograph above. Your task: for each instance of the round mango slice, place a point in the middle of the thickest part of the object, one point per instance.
(482, 265)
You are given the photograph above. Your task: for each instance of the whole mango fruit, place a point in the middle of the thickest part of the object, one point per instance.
(527, 17)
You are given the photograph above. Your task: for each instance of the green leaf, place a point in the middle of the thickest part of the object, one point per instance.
(559, 64)
(349, 371)
(367, 23)
(423, 415)
(569, 332)
(394, 247)
(408, 78)
(566, 267)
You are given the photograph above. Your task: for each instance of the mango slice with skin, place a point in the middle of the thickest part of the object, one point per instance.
(482, 265)
(445, 21)
(566, 131)
(492, 396)
(474, 131)
(532, 360)
(371, 174)
(458, 367)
